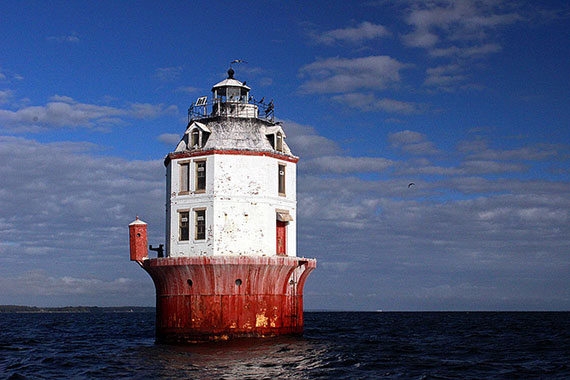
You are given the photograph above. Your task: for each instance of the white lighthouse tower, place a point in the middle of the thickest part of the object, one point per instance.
(230, 268)
(231, 186)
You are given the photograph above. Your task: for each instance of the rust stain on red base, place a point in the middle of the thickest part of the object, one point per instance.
(209, 298)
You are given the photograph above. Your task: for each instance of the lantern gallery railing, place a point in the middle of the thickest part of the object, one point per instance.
(249, 108)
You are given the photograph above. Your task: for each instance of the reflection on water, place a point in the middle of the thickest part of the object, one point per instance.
(282, 357)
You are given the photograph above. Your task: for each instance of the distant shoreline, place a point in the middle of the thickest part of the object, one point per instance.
(75, 309)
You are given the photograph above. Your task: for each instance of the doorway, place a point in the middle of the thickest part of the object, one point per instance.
(281, 238)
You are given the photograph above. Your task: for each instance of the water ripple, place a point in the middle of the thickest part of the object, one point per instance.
(335, 346)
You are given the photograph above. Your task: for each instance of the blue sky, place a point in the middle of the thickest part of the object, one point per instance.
(467, 99)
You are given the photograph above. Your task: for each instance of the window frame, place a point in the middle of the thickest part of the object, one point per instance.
(195, 144)
(271, 138)
(281, 179)
(185, 180)
(180, 227)
(196, 212)
(197, 182)
(279, 142)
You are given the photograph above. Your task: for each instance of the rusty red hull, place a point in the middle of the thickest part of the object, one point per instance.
(204, 298)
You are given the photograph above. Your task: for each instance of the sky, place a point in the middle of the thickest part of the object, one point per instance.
(468, 100)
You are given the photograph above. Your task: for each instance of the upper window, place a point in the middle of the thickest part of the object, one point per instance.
(200, 176)
(195, 139)
(281, 179)
(279, 142)
(271, 139)
(275, 138)
(185, 177)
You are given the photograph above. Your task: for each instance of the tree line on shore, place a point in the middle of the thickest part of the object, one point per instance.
(74, 309)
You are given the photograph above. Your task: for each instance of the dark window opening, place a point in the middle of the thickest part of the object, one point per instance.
(200, 175)
(200, 224)
(279, 144)
(271, 139)
(195, 141)
(184, 233)
(281, 179)
(205, 136)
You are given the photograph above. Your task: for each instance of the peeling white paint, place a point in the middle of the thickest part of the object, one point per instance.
(241, 199)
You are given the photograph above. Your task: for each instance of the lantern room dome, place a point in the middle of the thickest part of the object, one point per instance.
(230, 82)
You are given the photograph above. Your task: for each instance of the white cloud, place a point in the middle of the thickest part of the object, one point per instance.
(430, 170)
(265, 82)
(338, 75)
(486, 166)
(65, 209)
(188, 89)
(474, 51)
(408, 243)
(444, 76)
(168, 74)
(364, 31)
(479, 150)
(369, 102)
(345, 165)
(63, 111)
(480, 50)
(70, 38)
(421, 39)
(63, 99)
(394, 120)
(40, 283)
(305, 142)
(457, 27)
(412, 142)
(149, 111)
(5, 95)
(7, 75)
(169, 138)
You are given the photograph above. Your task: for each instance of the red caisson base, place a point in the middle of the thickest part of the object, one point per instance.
(208, 298)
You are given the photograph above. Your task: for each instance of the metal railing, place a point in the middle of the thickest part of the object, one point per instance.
(205, 108)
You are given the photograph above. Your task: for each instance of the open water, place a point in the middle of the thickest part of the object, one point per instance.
(335, 346)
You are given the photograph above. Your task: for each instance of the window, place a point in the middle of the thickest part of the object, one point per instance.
(195, 139)
(200, 224)
(279, 146)
(271, 139)
(281, 176)
(233, 94)
(200, 176)
(185, 177)
(184, 228)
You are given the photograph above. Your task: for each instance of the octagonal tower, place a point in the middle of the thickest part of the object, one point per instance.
(230, 268)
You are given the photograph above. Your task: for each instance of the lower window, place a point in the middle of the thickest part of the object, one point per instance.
(200, 224)
(184, 230)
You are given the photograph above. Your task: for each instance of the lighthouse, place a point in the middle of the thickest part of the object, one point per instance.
(230, 266)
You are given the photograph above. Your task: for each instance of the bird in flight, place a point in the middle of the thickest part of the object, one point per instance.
(411, 184)
(238, 61)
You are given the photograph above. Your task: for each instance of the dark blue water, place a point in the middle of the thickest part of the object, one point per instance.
(335, 346)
